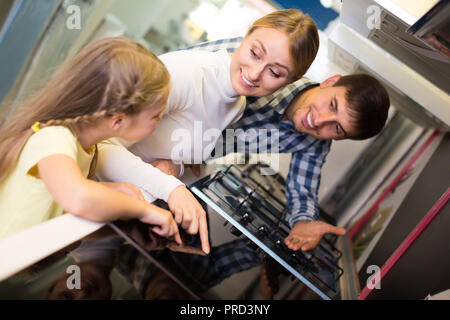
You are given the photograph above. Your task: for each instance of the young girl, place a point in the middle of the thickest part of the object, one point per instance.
(112, 88)
(207, 95)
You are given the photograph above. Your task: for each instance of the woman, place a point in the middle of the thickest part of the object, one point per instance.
(207, 94)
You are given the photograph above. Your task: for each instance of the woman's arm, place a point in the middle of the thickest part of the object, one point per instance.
(116, 163)
(94, 201)
(125, 188)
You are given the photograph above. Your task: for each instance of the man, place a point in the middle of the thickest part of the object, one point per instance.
(308, 116)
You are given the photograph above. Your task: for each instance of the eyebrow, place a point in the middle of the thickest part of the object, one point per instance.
(276, 63)
(337, 106)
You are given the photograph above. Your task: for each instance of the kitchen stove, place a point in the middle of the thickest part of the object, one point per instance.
(252, 199)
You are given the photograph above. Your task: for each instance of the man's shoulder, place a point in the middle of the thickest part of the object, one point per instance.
(320, 147)
(323, 144)
(282, 97)
(310, 147)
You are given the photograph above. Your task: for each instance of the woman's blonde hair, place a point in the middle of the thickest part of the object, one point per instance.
(302, 33)
(109, 76)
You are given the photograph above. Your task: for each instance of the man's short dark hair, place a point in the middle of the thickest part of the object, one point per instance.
(368, 103)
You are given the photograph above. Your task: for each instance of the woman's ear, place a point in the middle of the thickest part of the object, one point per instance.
(116, 121)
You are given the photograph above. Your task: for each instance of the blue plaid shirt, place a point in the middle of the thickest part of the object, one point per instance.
(308, 152)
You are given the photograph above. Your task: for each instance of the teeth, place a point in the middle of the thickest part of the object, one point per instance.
(247, 82)
(308, 118)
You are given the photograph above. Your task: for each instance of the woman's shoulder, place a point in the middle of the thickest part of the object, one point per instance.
(194, 58)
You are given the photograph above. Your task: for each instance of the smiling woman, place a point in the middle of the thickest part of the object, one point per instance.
(207, 95)
(208, 88)
(301, 33)
(277, 50)
(262, 63)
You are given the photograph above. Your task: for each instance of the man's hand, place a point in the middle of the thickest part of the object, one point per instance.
(167, 166)
(305, 235)
(189, 213)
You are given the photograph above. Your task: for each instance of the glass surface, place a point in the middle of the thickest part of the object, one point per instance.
(259, 216)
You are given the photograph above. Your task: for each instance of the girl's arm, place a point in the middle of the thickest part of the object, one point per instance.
(94, 201)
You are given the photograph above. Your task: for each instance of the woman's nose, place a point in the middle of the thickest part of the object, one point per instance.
(255, 71)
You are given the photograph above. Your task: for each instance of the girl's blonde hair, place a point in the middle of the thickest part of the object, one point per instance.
(109, 76)
(302, 33)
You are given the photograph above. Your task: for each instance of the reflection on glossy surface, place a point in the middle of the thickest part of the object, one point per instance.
(104, 266)
(55, 276)
(94, 284)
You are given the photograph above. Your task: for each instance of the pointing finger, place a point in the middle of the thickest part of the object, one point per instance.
(177, 238)
(203, 230)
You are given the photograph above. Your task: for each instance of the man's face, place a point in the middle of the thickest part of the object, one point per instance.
(323, 112)
(262, 64)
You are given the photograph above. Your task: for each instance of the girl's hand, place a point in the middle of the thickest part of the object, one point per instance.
(163, 221)
(190, 214)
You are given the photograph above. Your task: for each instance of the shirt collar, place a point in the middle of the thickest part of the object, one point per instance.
(284, 96)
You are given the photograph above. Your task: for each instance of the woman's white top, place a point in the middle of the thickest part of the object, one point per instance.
(201, 104)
